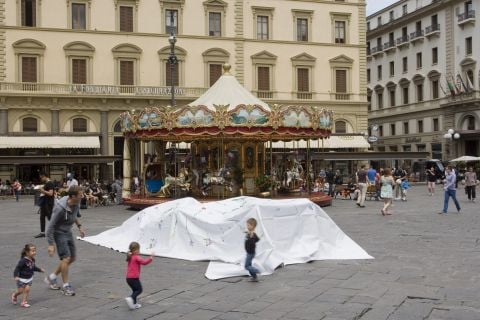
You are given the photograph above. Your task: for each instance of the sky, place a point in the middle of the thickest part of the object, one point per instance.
(375, 5)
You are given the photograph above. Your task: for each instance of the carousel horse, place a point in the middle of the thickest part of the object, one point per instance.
(222, 178)
(294, 174)
(172, 182)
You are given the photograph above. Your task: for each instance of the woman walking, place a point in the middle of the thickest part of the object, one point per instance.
(471, 184)
(431, 179)
(386, 191)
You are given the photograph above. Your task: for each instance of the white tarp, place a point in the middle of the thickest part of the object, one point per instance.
(291, 231)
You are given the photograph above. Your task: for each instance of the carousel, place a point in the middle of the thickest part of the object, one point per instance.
(221, 146)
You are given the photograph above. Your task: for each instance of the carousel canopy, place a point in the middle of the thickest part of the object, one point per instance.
(227, 91)
(230, 111)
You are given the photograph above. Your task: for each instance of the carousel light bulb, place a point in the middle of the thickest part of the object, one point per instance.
(456, 136)
(450, 131)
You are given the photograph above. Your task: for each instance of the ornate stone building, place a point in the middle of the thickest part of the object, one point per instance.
(68, 68)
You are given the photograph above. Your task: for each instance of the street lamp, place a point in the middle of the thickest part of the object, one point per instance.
(173, 61)
(451, 136)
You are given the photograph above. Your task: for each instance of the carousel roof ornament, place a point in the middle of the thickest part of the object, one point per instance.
(229, 110)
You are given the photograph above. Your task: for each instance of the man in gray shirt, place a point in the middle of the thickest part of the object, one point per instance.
(362, 186)
(59, 234)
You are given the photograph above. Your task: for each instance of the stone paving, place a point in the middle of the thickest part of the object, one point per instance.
(426, 267)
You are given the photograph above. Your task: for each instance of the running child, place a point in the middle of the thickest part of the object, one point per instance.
(251, 240)
(23, 274)
(133, 274)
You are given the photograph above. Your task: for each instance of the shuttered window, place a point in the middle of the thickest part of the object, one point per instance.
(263, 78)
(126, 73)
(341, 80)
(29, 69)
(340, 127)
(79, 71)
(79, 125)
(29, 13)
(126, 19)
(302, 29)
(215, 73)
(168, 74)
(215, 24)
(78, 16)
(303, 84)
(29, 125)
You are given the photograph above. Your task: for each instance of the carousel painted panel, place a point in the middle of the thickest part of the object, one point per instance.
(195, 117)
(249, 116)
(297, 118)
(150, 119)
(325, 119)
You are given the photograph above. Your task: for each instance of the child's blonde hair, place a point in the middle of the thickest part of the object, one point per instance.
(252, 221)
(134, 246)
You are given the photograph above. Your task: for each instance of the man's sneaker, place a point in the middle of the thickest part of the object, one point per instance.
(52, 283)
(137, 306)
(130, 303)
(68, 290)
(40, 235)
(441, 212)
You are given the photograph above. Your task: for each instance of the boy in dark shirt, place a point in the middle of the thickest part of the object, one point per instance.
(251, 240)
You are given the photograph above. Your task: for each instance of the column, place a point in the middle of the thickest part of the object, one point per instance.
(55, 122)
(3, 122)
(104, 132)
(127, 168)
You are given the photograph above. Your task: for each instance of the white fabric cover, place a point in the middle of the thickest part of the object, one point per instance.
(291, 231)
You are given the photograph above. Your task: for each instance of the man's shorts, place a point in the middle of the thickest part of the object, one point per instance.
(65, 244)
(21, 284)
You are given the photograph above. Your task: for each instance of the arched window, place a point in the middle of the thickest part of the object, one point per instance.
(340, 127)
(29, 124)
(117, 127)
(470, 122)
(79, 125)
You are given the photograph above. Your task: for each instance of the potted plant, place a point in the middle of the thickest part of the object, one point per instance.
(263, 183)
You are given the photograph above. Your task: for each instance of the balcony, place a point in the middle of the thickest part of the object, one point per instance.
(417, 35)
(84, 90)
(262, 94)
(389, 46)
(378, 50)
(340, 96)
(433, 30)
(466, 18)
(302, 95)
(369, 52)
(402, 41)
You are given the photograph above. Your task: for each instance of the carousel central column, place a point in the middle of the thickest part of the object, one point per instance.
(127, 168)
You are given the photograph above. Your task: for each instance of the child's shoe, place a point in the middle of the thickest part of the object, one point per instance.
(14, 298)
(24, 304)
(130, 303)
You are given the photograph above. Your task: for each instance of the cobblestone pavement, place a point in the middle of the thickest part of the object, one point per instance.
(426, 267)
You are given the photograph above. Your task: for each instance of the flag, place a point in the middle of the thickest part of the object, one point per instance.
(443, 90)
(460, 81)
(457, 85)
(451, 88)
(469, 84)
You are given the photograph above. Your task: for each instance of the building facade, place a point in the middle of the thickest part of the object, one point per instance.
(68, 68)
(423, 77)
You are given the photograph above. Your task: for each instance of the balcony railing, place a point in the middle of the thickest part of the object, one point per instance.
(97, 90)
(390, 45)
(434, 28)
(340, 96)
(377, 50)
(261, 94)
(304, 95)
(403, 40)
(369, 51)
(416, 35)
(466, 16)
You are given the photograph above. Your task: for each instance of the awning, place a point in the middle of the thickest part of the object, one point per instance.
(370, 155)
(70, 159)
(334, 142)
(49, 142)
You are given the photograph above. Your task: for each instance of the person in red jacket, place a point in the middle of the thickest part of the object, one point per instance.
(133, 274)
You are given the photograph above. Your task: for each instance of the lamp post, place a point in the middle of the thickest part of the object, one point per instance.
(451, 136)
(173, 61)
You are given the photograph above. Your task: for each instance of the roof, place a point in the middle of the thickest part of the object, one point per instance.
(228, 91)
(49, 142)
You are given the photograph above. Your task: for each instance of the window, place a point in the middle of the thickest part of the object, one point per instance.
(405, 95)
(421, 148)
(28, 13)
(435, 93)
(405, 128)
(468, 46)
(436, 126)
(392, 68)
(470, 123)
(418, 26)
(171, 21)
(215, 24)
(407, 148)
(420, 92)
(302, 29)
(380, 130)
(404, 9)
(263, 78)
(368, 75)
(262, 27)
(380, 100)
(392, 15)
(339, 31)
(391, 39)
(391, 93)
(126, 18)
(127, 75)
(379, 21)
(369, 100)
(419, 60)
(379, 72)
(368, 26)
(29, 69)
(215, 72)
(434, 20)
(340, 127)
(405, 33)
(79, 19)
(420, 126)
(405, 64)
(171, 74)
(29, 124)
(79, 125)
(392, 129)
(79, 71)
(341, 81)
(303, 81)
(434, 55)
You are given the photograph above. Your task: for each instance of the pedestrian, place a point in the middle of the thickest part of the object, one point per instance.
(471, 184)
(251, 240)
(362, 186)
(386, 191)
(47, 199)
(133, 274)
(59, 235)
(450, 190)
(331, 182)
(431, 179)
(71, 181)
(399, 175)
(23, 274)
(17, 189)
(405, 185)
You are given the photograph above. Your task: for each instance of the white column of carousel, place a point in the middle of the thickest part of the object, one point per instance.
(127, 169)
